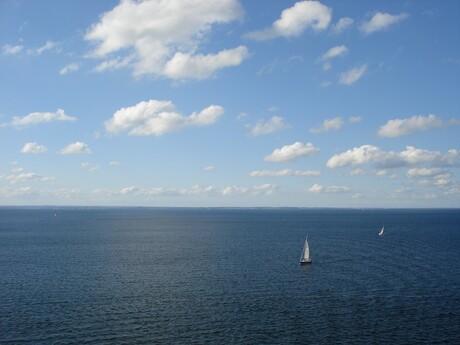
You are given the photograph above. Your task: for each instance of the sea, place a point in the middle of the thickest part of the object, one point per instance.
(229, 276)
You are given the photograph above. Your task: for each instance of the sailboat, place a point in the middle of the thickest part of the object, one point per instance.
(381, 231)
(305, 257)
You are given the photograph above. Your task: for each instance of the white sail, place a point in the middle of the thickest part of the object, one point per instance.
(305, 257)
(381, 231)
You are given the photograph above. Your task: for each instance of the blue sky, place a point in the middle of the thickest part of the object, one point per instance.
(230, 103)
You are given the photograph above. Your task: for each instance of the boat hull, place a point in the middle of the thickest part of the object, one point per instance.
(305, 262)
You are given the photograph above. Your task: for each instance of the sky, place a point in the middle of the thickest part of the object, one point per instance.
(230, 103)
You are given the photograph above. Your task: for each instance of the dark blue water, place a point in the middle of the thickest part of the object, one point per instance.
(223, 276)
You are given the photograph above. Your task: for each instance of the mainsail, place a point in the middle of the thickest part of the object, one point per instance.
(306, 251)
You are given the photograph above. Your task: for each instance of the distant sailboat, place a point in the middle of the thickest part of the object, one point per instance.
(381, 231)
(305, 257)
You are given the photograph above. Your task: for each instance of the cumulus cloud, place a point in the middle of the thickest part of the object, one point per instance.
(187, 66)
(75, 148)
(284, 172)
(353, 75)
(317, 188)
(328, 125)
(292, 152)
(391, 159)
(400, 127)
(163, 38)
(12, 50)
(33, 148)
(381, 21)
(156, 117)
(295, 20)
(72, 67)
(38, 117)
(275, 124)
(342, 25)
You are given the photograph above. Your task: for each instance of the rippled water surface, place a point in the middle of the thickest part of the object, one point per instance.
(228, 276)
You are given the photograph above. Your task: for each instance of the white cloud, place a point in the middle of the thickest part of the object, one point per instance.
(114, 163)
(75, 148)
(89, 167)
(47, 46)
(37, 117)
(72, 67)
(113, 64)
(424, 172)
(33, 148)
(451, 158)
(357, 156)
(381, 21)
(23, 177)
(284, 172)
(342, 25)
(334, 52)
(353, 75)
(163, 38)
(265, 189)
(196, 190)
(391, 159)
(413, 155)
(328, 125)
(291, 152)
(358, 172)
(12, 50)
(295, 20)
(275, 124)
(209, 168)
(354, 119)
(188, 66)
(128, 190)
(158, 117)
(400, 127)
(317, 188)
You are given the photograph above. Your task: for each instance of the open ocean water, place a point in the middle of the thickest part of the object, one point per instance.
(228, 276)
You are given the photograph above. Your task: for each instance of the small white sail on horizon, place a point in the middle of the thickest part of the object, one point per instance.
(305, 257)
(381, 231)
